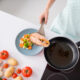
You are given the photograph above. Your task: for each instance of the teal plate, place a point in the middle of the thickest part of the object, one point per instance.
(35, 49)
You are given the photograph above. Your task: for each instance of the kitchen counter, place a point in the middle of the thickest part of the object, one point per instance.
(10, 26)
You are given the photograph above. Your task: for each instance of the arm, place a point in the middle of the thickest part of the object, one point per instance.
(46, 11)
(49, 4)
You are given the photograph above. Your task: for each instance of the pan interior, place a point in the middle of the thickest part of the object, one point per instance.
(60, 53)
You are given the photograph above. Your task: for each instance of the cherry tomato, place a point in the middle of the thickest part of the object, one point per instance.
(4, 54)
(18, 71)
(27, 72)
(14, 75)
(4, 79)
(5, 65)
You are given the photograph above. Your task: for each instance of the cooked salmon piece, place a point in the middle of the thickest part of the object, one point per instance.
(40, 40)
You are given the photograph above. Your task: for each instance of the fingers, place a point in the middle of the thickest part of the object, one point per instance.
(44, 15)
(46, 18)
(41, 18)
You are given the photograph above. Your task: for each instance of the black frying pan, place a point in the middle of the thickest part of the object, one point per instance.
(71, 51)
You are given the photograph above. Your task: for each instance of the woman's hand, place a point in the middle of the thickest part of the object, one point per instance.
(44, 15)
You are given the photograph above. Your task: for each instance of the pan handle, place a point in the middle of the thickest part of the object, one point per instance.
(78, 44)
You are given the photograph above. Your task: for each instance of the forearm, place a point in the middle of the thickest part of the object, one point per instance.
(49, 4)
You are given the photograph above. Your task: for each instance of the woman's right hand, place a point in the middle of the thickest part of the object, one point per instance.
(44, 15)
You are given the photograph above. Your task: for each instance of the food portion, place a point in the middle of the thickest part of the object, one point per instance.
(28, 40)
(12, 61)
(40, 40)
(25, 42)
(8, 73)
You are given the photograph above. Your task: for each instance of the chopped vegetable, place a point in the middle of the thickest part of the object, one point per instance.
(26, 36)
(29, 47)
(25, 42)
(26, 45)
(22, 39)
(21, 45)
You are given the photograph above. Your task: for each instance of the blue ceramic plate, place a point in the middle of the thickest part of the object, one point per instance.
(35, 49)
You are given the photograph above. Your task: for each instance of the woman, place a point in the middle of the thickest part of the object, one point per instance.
(67, 23)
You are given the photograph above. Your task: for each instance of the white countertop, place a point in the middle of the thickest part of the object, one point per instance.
(10, 26)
